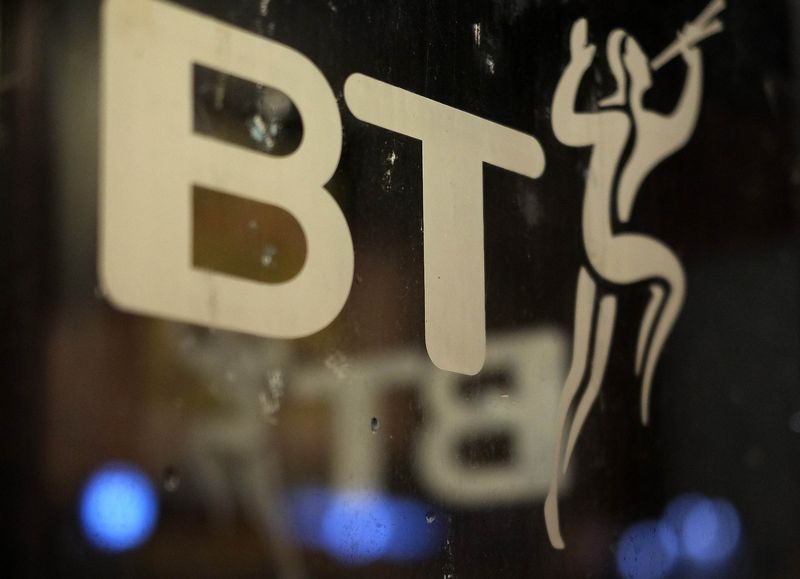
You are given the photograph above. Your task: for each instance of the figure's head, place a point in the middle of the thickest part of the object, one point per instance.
(638, 66)
(614, 48)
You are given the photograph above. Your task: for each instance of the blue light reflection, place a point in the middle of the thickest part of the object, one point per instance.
(647, 550)
(695, 531)
(413, 537)
(710, 532)
(359, 527)
(118, 508)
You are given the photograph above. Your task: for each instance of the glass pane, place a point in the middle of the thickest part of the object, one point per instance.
(214, 414)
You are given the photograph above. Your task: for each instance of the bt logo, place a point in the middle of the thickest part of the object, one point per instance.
(152, 158)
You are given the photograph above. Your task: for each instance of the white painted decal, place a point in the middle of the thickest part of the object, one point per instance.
(151, 159)
(455, 145)
(616, 255)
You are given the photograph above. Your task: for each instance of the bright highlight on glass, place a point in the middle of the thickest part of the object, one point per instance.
(360, 527)
(647, 550)
(417, 533)
(695, 530)
(710, 532)
(357, 527)
(118, 508)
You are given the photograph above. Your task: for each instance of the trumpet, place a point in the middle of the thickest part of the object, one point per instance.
(704, 26)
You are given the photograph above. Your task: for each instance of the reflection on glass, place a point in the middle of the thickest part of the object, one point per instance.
(359, 527)
(647, 550)
(695, 532)
(119, 508)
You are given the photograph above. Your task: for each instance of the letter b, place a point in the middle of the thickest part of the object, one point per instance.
(151, 159)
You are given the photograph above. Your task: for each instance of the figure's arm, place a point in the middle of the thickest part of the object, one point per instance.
(570, 127)
(683, 119)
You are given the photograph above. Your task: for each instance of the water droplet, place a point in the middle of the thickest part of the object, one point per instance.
(171, 479)
(253, 225)
(257, 128)
(261, 132)
(268, 255)
(338, 364)
(269, 407)
(374, 424)
(430, 518)
(359, 280)
(476, 33)
(490, 64)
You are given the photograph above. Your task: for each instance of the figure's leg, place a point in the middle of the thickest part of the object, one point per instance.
(673, 302)
(603, 332)
(648, 322)
(584, 313)
(631, 258)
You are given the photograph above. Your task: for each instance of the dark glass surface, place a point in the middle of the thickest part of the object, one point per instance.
(255, 448)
